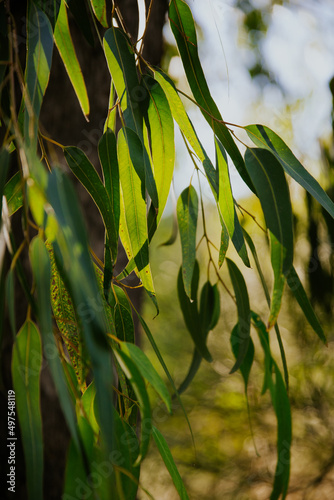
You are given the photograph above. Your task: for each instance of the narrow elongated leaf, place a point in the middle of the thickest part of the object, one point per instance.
(183, 28)
(63, 40)
(226, 203)
(133, 374)
(246, 365)
(26, 367)
(263, 137)
(4, 165)
(272, 189)
(187, 214)
(193, 369)
(209, 307)
(298, 290)
(122, 67)
(241, 295)
(65, 317)
(73, 258)
(180, 116)
(135, 216)
(141, 164)
(38, 65)
(50, 8)
(170, 464)
(13, 193)
(161, 132)
(281, 404)
(147, 371)
(108, 159)
(87, 175)
(190, 313)
(100, 11)
(224, 241)
(42, 272)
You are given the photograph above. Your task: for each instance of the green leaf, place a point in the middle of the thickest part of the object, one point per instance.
(183, 28)
(50, 8)
(10, 299)
(13, 193)
(100, 10)
(209, 307)
(281, 404)
(170, 464)
(38, 65)
(193, 369)
(142, 165)
(226, 207)
(147, 371)
(88, 399)
(265, 138)
(187, 214)
(183, 121)
(224, 241)
(161, 133)
(135, 215)
(87, 175)
(26, 368)
(122, 67)
(133, 374)
(271, 186)
(40, 264)
(298, 290)
(191, 315)
(63, 40)
(73, 258)
(242, 337)
(246, 365)
(66, 320)
(108, 159)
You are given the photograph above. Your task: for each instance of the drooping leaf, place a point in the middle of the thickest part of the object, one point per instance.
(122, 67)
(64, 43)
(272, 189)
(193, 369)
(4, 165)
(297, 289)
(50, 8)
(133, 374)
(100, 10)
(281, 404)
(66, 320)
(13, 193)
(38, 65)
(26, 367)
(183, 28)
(87, 175)
(209, 307)
(187, 214)
(170, 464)
(224, 241)
(147, 371)
(246, 365)
(108, 159)
(242, 337)
(42, 272)
(180, 115)
(73, 257)
(192, 319)
(134, 215)
(161, 132)
(263, 137)
(87, 400)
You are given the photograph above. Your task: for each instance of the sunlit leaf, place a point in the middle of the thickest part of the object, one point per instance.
(26, 367)
(242, 336)
(13, 193)
(37, 72)
(66, 49)
(263, 137)
(100, 11)
(187, 214)
(170, 464)
(4, 165)
(272, 189)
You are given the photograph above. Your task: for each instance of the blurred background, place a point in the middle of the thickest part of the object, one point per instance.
(268, 62)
